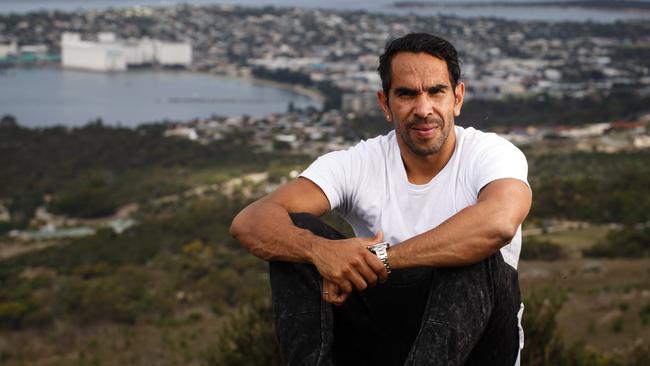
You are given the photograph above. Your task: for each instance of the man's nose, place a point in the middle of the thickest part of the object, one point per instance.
(423, 106)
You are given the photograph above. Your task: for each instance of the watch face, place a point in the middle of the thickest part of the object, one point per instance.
(380, 249)
(376, 247)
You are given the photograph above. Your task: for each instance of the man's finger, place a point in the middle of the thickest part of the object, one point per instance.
(332, 293)
(368, 273)
(357, 280)
(330, 290)
(377, 266)
(340, 299)
(345, 285)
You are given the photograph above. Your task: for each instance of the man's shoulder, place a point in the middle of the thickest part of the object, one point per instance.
(366, 155)
(476, 140)
(374, 147)
(380, 141)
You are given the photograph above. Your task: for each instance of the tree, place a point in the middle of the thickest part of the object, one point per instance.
(8, 120)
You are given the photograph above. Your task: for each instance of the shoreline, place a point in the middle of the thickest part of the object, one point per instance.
(298, 89)
(313, 94)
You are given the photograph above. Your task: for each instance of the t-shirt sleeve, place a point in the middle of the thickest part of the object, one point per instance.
(498, 158)
(338, 174)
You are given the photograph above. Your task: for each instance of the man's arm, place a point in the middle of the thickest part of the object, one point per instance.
(471, 235)
(266, 230)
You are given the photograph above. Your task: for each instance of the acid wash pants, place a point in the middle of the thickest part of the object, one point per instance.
(421, 316)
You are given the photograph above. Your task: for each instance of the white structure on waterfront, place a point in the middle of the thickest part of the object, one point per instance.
(99, 56)
(10, 49)
(111, 54)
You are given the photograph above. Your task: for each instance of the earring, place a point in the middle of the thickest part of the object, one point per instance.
(388, 117)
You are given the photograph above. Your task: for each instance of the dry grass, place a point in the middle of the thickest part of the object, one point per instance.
(604, 298)
(178, 342)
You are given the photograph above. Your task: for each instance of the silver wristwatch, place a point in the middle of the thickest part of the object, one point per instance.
(381, 251)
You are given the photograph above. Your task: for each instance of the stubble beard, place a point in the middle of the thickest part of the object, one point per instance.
(421, 149)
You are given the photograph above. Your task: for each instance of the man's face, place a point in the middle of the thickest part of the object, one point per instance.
(421, 103)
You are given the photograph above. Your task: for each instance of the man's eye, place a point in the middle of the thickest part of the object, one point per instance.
(406, 94)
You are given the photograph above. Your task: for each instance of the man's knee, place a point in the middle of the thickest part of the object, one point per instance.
(477, 288)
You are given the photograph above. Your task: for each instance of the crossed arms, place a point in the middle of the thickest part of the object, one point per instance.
(474, 233)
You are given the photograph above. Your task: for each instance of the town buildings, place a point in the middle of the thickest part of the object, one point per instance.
(500, 58)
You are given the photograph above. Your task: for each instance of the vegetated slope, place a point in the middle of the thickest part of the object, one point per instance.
(94, 169)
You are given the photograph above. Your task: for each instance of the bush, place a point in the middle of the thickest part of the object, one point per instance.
(12, 314)
(617, 325)
(86, 203)
(542, 340)
(644, 314)
(533, 248)
(626, 243)
(247, 340)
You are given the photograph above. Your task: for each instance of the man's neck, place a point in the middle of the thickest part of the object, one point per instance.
(421, 169)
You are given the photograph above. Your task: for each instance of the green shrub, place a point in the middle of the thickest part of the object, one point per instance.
(617, 325)
(12, 314)
(644, 314)
(248, 339)
(86, 202)
(542, 341)
(5, 227)
(533, 248)
(628, 242)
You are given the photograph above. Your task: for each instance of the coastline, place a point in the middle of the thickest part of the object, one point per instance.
(298, 89)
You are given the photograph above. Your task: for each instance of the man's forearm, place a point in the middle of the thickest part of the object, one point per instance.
(471, 235)
(266, 230)
(466, 238)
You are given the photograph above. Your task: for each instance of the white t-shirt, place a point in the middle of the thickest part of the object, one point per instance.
(367, 185)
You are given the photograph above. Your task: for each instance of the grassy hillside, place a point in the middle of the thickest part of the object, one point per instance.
(176, 289)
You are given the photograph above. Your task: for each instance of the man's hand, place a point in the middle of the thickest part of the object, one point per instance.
(332, 293)
(349, 264)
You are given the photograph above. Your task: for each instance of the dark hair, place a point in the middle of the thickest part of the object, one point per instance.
(419, 42)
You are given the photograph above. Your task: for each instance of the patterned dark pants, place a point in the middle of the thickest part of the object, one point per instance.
(421, 316)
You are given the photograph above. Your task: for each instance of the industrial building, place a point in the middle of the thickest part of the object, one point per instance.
(8, 49)
(108, 53)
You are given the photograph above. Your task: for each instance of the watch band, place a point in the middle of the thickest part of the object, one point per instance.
(381, 251)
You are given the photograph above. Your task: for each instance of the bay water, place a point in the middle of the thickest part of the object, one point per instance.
(52, 96)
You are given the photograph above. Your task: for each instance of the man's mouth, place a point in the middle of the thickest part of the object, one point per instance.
(425, 130)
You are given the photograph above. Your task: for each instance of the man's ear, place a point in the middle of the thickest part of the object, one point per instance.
(460, 97)
(382, 100)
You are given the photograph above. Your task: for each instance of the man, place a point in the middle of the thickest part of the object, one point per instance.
(439, 207)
